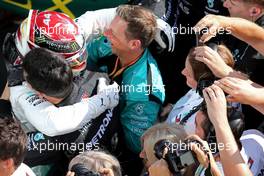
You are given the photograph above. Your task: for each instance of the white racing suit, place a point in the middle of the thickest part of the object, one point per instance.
(74, 127)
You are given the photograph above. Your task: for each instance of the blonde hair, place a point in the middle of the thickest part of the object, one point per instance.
(141, 23)
(96, 161)
(173, 132)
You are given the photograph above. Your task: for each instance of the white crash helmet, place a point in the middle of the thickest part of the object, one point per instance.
(54, 31)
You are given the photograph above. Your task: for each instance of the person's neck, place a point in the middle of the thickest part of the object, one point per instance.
(127, 57)
(54, 100)
(10, 171)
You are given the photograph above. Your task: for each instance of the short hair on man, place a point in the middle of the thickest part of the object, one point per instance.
(13, 141)
(48, 72)
(173, 132)
(141, 23)
(95, 161)
(258, 2)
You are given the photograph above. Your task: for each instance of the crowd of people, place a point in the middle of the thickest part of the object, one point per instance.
(120, 91)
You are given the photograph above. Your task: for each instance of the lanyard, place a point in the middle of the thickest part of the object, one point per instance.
(117, 71)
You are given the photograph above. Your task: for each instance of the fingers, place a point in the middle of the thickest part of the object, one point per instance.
(173, 41)
(218, 91)
(203, 23)
(225, 87)
(210, 93)
(206, 97)
(205, 51)
(203, 59)
(205, 54)
(213, 93)
(200, 149)
(166, 28)
(169, 36)
(194, 137)
(212, 32)
(159, 39)
(211, 23)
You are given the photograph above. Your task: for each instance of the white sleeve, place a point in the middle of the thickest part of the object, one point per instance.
(52, 120)
(93, 23)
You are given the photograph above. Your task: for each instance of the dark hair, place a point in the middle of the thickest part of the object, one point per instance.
(48, 73)
(235, 119)
(12, 141)
(81, 170)
(201, 70)
(141, 23)
(3, 75)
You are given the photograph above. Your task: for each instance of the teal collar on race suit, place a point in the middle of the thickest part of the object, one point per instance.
(144, 77)
(141, 74)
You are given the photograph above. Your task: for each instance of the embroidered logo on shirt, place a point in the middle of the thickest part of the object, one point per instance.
(210, 3)
(177, 119)
(139, 109)
(102, 102)
(250, 162)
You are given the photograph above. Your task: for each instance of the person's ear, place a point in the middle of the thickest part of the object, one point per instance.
(134, 44)
(8, 164)
(254, 11)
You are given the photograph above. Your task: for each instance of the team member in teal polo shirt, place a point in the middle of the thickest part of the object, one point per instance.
(122, 53)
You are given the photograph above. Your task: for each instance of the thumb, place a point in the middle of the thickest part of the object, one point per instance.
(101, 84)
